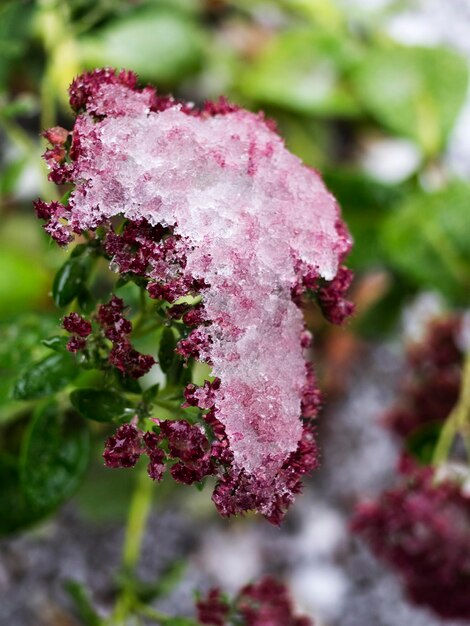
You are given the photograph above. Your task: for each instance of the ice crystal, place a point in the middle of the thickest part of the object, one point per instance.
(216, 206)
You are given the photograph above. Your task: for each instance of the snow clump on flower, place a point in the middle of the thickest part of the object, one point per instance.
(214, 206)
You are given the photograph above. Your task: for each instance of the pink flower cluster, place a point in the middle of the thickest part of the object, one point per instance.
(431, 385)
(214, 206)
(265, 603)
(422, 529)
(195, 451)
(115, 327)
(188, 447)
(80, 329)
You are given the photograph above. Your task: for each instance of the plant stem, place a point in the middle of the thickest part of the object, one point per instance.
(141, 505)
(458, 420)
(142, 317)
(91, 18)
(137, 520)
(140, 330)
(169, 406)
(162, 618)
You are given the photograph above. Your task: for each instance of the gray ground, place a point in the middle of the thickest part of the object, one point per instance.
(333, 578)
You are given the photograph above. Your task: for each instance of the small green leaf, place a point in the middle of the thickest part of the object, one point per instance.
(86, 301)
(54, 457)
(10, 176)
(383, 317)
(427, 239)
(65, 201)
(122, 281)
(179, 374)
(166, 351)
(365, 204)
(303, 71)
(46, 377)
(147, 592)
(415, 92)
(23, 105)
(422, 442)
(79, 595)
(127, 383)
(23, 281)
(56, 343)
(70, 280)
(15, 33)
(100, 405)
(80, 248)
(161, 45)
(200, 485)
(14, 510)
(19, 343)
(177, 621)
(151, 393)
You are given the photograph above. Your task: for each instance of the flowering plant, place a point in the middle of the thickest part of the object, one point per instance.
(224, 234)
(200, 253)
(215, 221)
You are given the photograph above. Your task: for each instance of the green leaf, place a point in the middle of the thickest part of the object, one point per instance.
(302, 71)
(70, 280)
(383, 317)
(10, 176)
(23, 281)
(161, 45)
(168, 580)
(54, 457)
(86, 302)
(151, 393)
(80, 248)
(422, 442)
(365, 204)
(23, 105)
(46, 377)
(100, 405)
(14, 510)
(177, 621)
(127, 383)
(56, 343)
(147, 592)
(166, 351)
(19, 345)
(414, 92)
(80, 597)
(15, 26)
(427, 239)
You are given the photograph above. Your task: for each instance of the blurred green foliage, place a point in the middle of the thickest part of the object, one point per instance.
(336, 84)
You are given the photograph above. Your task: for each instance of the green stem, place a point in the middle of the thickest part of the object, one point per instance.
(91, 18)
(140, 330)
(141, 505)
(48, 103)
(162, 619)
(458, 420)
(169, 406)
(142, 317)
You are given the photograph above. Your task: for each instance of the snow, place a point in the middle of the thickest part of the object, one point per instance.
(249, 214)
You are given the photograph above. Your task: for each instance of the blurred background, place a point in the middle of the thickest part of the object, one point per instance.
(374, 94)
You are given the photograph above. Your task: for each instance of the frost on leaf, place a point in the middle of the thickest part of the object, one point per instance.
(215, 206)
